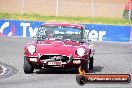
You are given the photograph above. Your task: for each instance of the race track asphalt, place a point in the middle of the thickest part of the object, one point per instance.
(110, 58)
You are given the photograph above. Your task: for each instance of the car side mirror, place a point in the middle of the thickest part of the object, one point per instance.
(35, 38)
(89, 42)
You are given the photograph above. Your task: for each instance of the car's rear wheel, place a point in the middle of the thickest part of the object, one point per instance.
(28, 68)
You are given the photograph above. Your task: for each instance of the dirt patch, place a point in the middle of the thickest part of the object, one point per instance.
(104, 8)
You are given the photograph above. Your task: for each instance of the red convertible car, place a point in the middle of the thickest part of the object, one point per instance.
(59, 45)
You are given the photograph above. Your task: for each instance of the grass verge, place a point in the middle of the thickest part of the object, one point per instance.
(77, 19)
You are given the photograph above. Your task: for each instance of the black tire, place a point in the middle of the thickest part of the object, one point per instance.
(91, 63)
(28, 68)
(85, 66)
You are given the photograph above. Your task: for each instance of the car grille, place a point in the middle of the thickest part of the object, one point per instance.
(54, 58)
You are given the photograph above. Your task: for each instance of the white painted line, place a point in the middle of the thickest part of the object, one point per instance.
(4, 70)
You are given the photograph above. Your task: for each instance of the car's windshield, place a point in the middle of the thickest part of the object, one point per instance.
(53, 32)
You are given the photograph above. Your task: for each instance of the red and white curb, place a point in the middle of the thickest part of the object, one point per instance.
(2, 70)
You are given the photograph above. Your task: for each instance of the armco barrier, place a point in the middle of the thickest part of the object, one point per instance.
(95, 32)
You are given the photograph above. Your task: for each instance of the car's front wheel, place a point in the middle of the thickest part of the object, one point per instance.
(28, 68)
(88, 65)
(91, 63)
(85, 66)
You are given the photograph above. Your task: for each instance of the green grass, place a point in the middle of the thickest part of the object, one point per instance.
(78, 19)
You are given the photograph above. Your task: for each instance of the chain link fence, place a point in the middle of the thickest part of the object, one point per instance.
(92, 8)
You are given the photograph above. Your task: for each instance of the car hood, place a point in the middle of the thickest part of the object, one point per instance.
(58, 47)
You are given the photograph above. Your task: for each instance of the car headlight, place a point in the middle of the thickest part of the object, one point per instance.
(31, 49)
(80, 51)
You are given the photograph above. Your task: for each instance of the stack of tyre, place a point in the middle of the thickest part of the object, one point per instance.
(128, 10)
